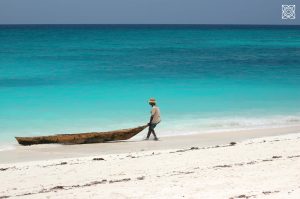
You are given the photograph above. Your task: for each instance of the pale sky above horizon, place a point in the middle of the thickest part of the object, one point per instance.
(145, 12)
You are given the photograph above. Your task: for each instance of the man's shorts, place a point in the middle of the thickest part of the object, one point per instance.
(152, 125)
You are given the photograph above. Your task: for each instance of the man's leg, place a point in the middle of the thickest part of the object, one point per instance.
(155, 137)
(149, 132)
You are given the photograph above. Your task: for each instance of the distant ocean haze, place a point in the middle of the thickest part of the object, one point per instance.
(61, 79)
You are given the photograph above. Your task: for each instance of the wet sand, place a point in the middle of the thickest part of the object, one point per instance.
(54, 151)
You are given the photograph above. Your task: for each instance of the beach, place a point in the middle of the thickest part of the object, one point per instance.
(261, 163)
(228, 97)
(84, 83)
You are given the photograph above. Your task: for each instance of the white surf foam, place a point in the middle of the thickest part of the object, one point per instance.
(204, 125)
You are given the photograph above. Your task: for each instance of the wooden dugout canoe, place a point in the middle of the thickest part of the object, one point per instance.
(82, 138)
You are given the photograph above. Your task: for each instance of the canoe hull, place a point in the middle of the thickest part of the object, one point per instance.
(82, 138)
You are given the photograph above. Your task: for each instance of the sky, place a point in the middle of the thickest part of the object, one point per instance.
(145, 12)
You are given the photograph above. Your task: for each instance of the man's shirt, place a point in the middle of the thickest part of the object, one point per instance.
(155, 112)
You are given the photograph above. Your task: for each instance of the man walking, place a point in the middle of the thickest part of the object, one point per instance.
(154, 119)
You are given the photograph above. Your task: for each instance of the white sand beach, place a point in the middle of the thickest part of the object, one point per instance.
(261, 163)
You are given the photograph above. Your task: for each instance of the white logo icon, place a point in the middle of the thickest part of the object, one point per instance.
(288, 12)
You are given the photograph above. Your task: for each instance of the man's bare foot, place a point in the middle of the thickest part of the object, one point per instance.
(156, 139)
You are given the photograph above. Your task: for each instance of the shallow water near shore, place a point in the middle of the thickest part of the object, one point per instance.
(63, 79)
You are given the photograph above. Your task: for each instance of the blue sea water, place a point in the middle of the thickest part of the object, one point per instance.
(80, 78)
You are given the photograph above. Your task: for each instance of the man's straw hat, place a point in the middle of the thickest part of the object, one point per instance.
(152, 101)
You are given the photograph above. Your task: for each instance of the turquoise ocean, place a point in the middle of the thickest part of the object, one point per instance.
(81, 78)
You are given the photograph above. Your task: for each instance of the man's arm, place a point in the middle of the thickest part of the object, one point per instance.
(151, 118)
(152, 114)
